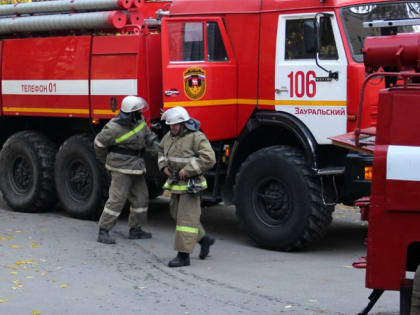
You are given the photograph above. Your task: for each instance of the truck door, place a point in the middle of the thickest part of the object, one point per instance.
(199, 73)
(304, 89)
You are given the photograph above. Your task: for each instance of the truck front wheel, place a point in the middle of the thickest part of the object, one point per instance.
(27, 172)
(278, 200)
(81, 179)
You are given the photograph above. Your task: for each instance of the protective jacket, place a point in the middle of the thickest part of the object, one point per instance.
(190, 151)
(121, 146)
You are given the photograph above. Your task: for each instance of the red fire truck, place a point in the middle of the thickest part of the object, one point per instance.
(270, 81)
(393, 208)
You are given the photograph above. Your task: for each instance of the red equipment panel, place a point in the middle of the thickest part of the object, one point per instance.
(114, 72)
(397, 125)
(125, 65)
(395, 202)
(46, 76)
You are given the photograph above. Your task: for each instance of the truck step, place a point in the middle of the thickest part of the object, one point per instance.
(330, 171)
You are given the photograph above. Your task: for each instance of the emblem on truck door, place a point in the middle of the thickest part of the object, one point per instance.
(194, 83)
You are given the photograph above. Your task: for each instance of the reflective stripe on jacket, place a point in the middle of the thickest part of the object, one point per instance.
(191, 152)
(132, 137)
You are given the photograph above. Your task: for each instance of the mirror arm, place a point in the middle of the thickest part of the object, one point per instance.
(331, 75)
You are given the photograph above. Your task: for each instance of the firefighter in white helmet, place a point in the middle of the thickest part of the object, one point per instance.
(184, 155)
(121, 145)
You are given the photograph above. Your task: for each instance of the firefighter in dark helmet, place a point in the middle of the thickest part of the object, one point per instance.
(184, 155)
(121, 145)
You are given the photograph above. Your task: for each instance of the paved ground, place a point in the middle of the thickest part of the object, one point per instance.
(51, 264)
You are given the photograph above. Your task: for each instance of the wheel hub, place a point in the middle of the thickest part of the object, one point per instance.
(22, 174)
(271, 201)
(79, 180)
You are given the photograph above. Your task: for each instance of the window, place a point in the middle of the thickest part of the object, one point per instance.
(186, 41)
(354, 16)
(215, 48)
(295, 47)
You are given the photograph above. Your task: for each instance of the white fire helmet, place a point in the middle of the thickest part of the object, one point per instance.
(175, 115)
(133, 103)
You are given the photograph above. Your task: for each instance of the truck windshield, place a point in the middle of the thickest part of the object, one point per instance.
(354, 16)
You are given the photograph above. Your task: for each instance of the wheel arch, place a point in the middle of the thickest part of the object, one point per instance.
(267, 129)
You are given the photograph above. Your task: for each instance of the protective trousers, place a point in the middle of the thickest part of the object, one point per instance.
(123, 187)
(186, 211)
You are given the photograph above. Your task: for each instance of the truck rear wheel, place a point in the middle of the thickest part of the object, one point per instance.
(81, 179)
(278, 200)
(27, 172)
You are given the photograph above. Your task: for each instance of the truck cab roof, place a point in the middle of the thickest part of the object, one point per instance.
(202, 7)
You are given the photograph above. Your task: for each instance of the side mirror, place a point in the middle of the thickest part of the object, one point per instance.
(310, 36)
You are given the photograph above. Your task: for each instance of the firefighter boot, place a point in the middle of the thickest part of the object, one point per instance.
(182, 259)
(205, 243)
(104, 237)
(138, 233)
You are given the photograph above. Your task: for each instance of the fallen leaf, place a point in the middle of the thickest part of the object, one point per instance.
(34, 245)
(260, 286)
(9, 237)
(18, 231)
(28, 277)
(63, 286)
(2, 239)
(43, 274)
(36, 312)
(15, 246)
(13, 273)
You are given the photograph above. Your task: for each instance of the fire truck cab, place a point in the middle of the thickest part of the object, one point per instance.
(271, 81)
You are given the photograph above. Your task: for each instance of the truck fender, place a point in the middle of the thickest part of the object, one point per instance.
(284, 120)
(304, 140)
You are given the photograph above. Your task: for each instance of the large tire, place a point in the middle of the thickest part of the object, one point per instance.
(27, 172)
(81, 179)
(278, 200)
